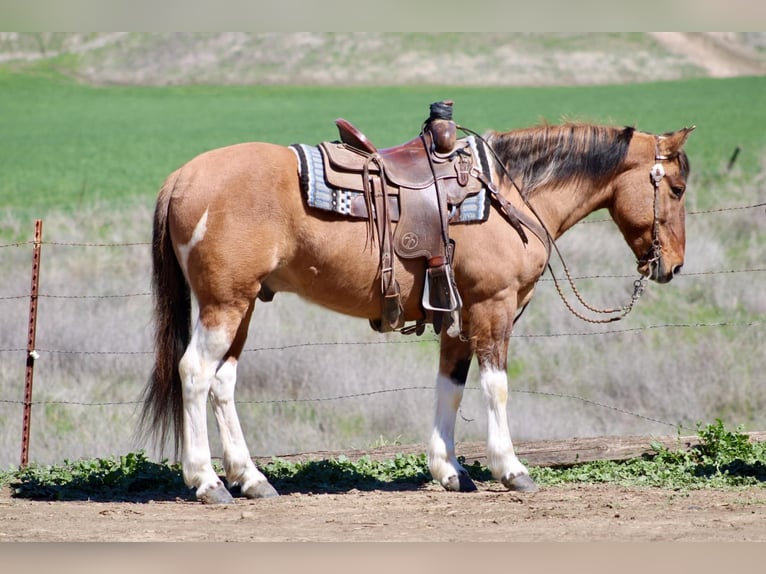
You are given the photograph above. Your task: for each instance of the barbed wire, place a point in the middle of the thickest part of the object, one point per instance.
(542, 279)
(679, 276)
(70, 403)
(292, 346)
(79, 244)
(694, 213)
(17, 244)
(54, 296)
(721, 209)
(365, 394)
(114, 296)
(51, 296)
(643, 328)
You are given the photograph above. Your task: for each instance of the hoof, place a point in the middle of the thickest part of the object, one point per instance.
(460, 482)
(520, 483)
(260, 490)
(216, 495)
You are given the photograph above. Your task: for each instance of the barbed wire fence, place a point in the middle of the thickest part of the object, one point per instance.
(16, 353)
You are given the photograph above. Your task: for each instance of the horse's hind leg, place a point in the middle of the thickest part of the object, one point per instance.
(237, 463)
(208, 369)
(450, 383)
(198, 368)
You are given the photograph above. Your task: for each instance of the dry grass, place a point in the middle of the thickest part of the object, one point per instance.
(374, 58)
(93, 350)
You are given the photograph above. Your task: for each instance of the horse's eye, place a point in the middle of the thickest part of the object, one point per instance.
(678, 190)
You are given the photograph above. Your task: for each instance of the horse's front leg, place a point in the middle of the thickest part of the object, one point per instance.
(453, 371)
(491, 336)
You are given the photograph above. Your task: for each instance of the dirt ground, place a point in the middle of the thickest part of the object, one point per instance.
(427, 514)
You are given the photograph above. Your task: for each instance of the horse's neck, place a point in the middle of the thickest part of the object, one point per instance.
(562, 206)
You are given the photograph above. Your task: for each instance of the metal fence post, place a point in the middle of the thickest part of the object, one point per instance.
(31, 352)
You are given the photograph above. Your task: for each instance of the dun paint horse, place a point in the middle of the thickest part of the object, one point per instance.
(233, 223)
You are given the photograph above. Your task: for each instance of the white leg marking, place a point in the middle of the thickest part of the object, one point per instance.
(442, 461)
(236, 457)
(502, 460)
(197, 235)
(197, 369)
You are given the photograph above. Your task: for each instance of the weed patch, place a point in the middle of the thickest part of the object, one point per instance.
(724, 459)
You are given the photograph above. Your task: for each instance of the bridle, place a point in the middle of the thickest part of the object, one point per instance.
(654, 253)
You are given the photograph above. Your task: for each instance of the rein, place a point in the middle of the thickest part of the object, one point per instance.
(656, 174)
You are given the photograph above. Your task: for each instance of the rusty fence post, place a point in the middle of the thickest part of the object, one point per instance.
(31, 352)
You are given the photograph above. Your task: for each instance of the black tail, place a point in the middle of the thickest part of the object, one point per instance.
(162, 415)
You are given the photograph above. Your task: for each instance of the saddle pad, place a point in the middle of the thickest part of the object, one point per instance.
(314, 186)
(319, 194)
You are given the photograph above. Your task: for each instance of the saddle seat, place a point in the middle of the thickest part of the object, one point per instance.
(410, 165)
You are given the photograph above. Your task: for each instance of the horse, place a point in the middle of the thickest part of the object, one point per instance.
(232, 224)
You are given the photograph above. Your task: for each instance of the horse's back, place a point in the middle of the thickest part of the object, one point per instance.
(227, 170)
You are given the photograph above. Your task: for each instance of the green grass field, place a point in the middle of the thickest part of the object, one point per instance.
(64, 145)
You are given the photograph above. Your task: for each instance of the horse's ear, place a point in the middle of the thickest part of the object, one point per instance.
(671, 143)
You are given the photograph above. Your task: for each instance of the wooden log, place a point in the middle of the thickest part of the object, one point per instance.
(562, 452)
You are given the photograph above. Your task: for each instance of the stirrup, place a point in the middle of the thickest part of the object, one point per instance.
(443, 297)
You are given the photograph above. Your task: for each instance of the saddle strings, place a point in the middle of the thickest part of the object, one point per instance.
(638, 285)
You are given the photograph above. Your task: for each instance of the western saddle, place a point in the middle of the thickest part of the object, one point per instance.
(413, 184)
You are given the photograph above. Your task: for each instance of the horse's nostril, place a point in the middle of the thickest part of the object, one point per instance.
(677, 269)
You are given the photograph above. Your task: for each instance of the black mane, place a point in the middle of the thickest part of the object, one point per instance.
(549, 155)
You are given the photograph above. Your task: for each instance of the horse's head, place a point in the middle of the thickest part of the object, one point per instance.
(648, 204)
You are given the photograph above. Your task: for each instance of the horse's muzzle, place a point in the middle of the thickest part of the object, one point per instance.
(658, 271)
